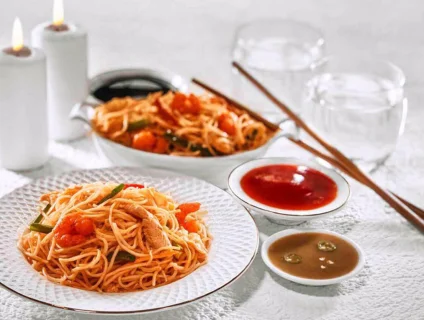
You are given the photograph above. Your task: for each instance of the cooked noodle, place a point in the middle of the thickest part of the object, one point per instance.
(207, 125)
(140, 223)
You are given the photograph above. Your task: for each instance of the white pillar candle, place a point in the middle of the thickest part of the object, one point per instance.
(65, 46)
(23, 106)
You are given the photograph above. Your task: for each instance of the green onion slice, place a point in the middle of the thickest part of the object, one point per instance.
(38, 227)
(121, 256)
(113, 193)
(140, 124)
(174, 139)
(40, 216)
(47, 208)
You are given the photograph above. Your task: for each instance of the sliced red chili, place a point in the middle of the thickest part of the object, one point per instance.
(165, 114)
(133, 185)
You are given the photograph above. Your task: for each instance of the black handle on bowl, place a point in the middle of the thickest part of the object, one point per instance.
(136, 86)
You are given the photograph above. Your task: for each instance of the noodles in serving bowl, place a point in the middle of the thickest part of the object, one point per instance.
(115, 238)
(180, 125)
(118, 122)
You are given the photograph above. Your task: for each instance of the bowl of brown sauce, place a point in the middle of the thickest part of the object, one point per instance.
(312, 257)
(289, 190)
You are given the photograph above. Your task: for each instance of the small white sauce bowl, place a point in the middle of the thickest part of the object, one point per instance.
(283, 216)
(307, 281)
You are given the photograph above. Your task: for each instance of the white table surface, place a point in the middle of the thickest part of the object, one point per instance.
(193, 38)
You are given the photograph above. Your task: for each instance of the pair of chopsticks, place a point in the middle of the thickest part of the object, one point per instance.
(408, 210)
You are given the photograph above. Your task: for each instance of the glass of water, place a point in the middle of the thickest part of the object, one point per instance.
(358, 105)
(282, 54)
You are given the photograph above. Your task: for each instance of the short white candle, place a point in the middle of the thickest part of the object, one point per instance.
(23, 106)
(65, 45)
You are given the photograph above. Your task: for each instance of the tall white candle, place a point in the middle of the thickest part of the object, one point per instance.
(23, 106)
(65, 46)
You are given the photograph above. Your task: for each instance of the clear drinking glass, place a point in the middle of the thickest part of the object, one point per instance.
(280, 53)
(358, 105)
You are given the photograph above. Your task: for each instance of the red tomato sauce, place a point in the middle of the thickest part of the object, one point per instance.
(290, 187)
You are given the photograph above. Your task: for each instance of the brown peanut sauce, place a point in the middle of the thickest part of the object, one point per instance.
(313, 255)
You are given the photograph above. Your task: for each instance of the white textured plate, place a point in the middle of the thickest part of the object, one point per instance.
(235, 243)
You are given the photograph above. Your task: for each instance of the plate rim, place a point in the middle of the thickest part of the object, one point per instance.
(172, 306)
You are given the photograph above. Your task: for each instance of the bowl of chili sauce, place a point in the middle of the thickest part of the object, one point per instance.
(288, 190)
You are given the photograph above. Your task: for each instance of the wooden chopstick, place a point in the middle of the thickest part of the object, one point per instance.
(337, 165)
(238, 105)
(393, 201)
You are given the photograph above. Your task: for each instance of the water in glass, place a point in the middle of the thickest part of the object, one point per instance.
(361, 114)
(280, 53)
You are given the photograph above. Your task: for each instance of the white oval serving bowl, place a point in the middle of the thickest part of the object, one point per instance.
(307, 281)
(214, 169)
(283, 216)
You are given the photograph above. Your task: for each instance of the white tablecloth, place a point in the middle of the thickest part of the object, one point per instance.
(194, 38)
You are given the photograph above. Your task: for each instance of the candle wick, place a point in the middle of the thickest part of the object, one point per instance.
(58, 27)
(22, 52)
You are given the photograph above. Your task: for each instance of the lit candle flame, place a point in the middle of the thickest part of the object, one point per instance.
(17, 35)
(58, 13)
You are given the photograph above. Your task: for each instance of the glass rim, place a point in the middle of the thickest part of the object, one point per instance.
(398, 84)
(319, 42)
